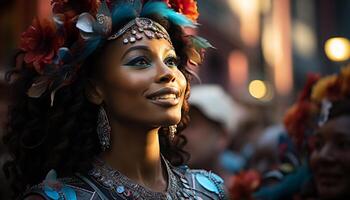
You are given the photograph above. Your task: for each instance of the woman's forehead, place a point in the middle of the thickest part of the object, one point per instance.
(338, 126)
(156, 46)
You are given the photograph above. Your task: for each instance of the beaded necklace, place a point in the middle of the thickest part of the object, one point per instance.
(120, 186)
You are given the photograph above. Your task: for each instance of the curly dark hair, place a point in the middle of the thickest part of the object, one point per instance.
(63, 137)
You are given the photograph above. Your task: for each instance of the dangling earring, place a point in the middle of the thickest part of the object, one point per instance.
(103, 129)
(172, 131)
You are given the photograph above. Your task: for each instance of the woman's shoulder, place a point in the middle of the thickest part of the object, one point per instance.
(68, 188)
(202, 183)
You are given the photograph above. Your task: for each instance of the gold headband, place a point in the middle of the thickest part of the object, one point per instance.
(139, 27)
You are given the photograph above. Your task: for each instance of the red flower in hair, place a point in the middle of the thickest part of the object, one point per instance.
(75, 6)
(40, 43)
(185, 7)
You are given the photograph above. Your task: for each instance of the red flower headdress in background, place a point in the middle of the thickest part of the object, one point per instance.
(297, 116)
(333, 87)
(314, 103)
(245, 184)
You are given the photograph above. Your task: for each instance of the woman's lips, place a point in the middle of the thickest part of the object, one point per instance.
(165, 97)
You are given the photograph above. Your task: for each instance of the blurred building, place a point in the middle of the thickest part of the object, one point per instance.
(265, 48)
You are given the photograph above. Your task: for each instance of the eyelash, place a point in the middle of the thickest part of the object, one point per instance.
(318, 144)
(170, 61)
(137, 62)
(173, 59)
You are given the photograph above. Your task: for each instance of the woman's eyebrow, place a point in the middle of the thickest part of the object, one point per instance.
(133, 48)
(166, 50)
(342, 134)
(169, 48)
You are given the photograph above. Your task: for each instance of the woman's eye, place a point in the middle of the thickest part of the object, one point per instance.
(139, 62)
(318, 144)
(171, 61)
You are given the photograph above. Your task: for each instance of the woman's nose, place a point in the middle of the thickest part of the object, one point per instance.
(165, 74)
(326, 152)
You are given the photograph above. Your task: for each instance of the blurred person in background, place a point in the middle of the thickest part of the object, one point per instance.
(214, 118)
(273, 158)
(247, 136)
(330, 158)
(286, 180)
(319, 126)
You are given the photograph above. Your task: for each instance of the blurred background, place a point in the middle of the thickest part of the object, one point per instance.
(264, 49)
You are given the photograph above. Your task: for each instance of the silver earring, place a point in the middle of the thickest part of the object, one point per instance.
(103, 129)
(172, 131)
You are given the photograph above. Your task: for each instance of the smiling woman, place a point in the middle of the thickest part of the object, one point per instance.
(321, 120)
(100, 99)
(141, 82)
(330, 160)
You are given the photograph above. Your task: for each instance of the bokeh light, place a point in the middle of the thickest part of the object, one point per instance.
(257, 89)
(337, 49)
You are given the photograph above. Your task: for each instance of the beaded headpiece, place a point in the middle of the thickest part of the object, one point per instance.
(140, 27)
(57, 47)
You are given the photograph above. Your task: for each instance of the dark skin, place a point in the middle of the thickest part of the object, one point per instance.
(131, 74)
(330, 161)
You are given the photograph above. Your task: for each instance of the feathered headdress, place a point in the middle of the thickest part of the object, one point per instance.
(56, 47)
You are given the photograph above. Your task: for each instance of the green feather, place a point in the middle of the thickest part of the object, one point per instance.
(200, 43)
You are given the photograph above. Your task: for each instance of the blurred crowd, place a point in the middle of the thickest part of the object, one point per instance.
(306, 157)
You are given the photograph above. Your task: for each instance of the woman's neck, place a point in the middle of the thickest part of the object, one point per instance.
(135, 152)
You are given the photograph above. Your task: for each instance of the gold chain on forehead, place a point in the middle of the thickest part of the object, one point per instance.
(140, 27)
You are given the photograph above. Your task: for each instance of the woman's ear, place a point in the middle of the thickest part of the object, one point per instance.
(93, 92)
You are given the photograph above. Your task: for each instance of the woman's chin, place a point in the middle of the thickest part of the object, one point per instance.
(331, 191)
(170, 120)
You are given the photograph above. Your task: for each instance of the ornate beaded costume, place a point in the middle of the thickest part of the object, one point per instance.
(103, 183)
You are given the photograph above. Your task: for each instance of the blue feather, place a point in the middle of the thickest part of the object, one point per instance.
(160, 8)
(122, 12)
(51, 193)
(90, 46)
(69, 193)
(138, 6)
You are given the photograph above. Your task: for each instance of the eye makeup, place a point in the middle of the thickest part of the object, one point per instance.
(140, 62)
(171, 61)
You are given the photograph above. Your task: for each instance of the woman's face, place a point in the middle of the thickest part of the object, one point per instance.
(141, 84)
(330, 161)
